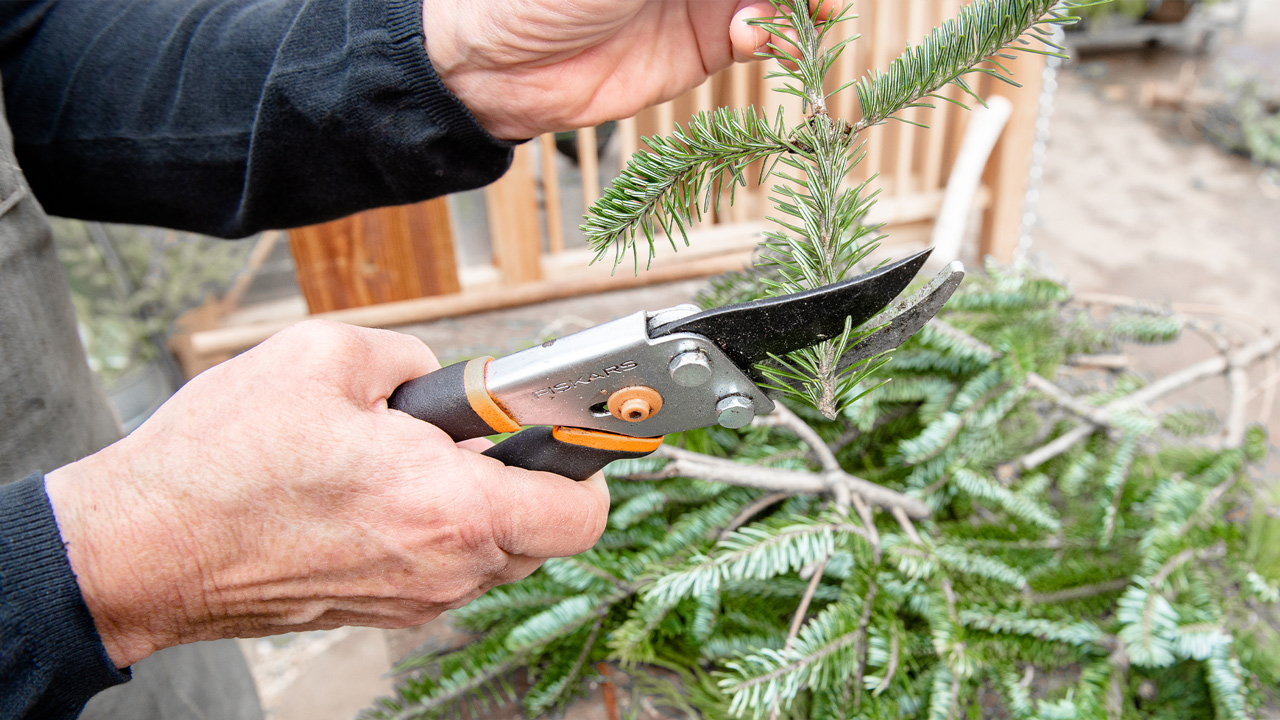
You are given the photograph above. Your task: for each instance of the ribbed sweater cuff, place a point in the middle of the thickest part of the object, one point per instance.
(43, 601)
(409, 50)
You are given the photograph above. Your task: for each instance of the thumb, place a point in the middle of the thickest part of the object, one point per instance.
(370, 363)
(748, 39)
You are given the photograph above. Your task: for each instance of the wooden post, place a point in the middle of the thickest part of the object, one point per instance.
(514, 231)
(551, 193)
(1008, 170)
(395, 253)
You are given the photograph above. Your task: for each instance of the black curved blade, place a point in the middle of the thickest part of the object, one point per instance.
(906, 317)
(749, 332)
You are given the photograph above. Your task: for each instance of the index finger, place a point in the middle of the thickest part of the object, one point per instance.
(539, 514)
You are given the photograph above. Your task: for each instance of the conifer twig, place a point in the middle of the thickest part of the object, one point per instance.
(1119, 679)
(907, 526)
(751, 510)
(706, 467)
(869, 520)
(1245, 356)
(1058, 395)
(1259, 349)
(891, 668)
(783, 417)
(1081, 592)
(802, 609)
(1234, 427)
(860, 645)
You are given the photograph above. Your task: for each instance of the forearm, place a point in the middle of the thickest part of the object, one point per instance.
(229, 116)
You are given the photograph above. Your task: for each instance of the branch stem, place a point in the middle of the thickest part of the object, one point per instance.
(706, 467)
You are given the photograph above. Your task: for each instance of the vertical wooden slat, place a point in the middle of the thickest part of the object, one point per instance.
(904, 174)
(741, 78)
(628, 140)
(665, 117)
(1009, 168)
(395, 253)
(589, 164)
(702, 100)
(512, 208)
(938, 118)
(882, 37)
(848, 67)
(551, 192)
(430, 236)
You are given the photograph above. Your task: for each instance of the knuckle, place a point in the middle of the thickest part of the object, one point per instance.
(320, 337)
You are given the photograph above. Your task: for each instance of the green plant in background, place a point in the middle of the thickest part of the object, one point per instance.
(128, 285)
(983, 526)
(1247, 122)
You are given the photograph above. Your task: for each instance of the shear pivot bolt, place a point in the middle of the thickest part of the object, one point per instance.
(690, 369)
(635, 404)
(735, 411)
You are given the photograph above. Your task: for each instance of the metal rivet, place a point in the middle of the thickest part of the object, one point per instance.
(690, 369)
(735, 411)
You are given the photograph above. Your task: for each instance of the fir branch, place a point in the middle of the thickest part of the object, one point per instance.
(783, 417)
(752, 553)
(1226, 679)
(1080, 634)
(756, 681)
(1080, 592)
(1114, 482)
(953, 50)
(677, 178)
(1055, 447)
(1015, 504)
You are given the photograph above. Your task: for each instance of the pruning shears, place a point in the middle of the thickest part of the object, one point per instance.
(614, 390)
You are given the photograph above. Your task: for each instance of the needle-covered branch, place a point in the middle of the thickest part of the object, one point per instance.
(983, 32)
(706, 467)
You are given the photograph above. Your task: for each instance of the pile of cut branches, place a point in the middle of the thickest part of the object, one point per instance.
(1007, 516)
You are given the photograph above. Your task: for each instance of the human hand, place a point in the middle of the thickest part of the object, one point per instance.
(277, 492)
(525, 67)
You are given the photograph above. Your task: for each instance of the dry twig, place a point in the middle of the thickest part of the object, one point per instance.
(706, 467)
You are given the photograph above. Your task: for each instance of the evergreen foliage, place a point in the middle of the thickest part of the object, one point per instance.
(1102, 580)
(1111, 570)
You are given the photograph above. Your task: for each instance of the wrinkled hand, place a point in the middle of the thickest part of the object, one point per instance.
(525, 67)
(277, 492)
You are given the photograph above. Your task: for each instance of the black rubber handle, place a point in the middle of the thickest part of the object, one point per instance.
(440, 398)
(537, 449)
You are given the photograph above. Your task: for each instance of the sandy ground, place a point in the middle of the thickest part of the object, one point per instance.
(1132, 203)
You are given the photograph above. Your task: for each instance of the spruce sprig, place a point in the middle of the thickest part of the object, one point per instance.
(820, 235)
(660, 189)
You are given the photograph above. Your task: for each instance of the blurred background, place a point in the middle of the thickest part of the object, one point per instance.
(1144, 169)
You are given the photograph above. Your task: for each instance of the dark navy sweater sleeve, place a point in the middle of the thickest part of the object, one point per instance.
(51, 658)
(231, 116)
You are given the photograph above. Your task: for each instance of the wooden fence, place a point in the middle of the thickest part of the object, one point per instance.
(397, 265)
